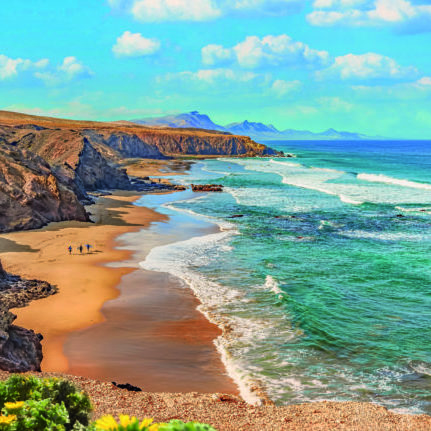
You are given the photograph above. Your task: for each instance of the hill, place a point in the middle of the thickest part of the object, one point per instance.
(257, 131)
(48, 165)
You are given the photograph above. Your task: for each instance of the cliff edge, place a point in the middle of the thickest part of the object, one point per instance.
(20, 348)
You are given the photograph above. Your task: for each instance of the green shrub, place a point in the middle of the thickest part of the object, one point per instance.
(176, 425)
(47, 404)
(127, 423)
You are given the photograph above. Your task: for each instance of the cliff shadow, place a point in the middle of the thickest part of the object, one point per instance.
(9, 246)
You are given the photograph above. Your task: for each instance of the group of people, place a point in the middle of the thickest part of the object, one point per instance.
(80, 248)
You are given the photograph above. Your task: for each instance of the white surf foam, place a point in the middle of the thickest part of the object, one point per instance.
(384, 236)
(379, 178)
(272, 285)
(178, 259)
(289, 164)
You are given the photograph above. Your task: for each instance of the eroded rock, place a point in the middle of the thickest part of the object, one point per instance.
(20, 348)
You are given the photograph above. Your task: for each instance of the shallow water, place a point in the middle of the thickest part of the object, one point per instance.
(324, 284)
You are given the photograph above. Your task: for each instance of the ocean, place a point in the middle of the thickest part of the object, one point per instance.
(322, 280)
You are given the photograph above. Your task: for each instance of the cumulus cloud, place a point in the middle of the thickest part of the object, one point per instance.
(367, 66)
(266, 7)
(212, 76)
(135, 45)
(216, 54)
(425, 81)
(71, 68)
(281, 87)
(203, 10)
(174, 10)
(255, 52)
(406, 15)
(336, 104)
(10, 67)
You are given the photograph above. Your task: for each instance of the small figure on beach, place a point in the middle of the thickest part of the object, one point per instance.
(70, 249)
(88, 247)
(80, 248)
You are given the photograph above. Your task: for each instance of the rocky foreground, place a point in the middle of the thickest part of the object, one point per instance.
(20, 348)
(48, 166)
(230, 413)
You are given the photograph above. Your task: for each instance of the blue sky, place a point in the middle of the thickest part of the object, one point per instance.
(357, 65)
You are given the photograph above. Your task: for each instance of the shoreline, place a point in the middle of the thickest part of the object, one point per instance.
(89, 282)
(78, 303)
(229, 412)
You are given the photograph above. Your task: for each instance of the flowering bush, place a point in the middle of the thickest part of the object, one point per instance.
(29, 403)
(127, 423)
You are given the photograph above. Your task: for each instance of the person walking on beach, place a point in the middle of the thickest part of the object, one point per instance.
(80, 248)
(88, 247)
(70, 249)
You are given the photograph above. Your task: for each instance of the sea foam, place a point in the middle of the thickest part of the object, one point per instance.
(379, 178)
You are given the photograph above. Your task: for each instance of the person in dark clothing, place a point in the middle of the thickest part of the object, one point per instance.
(70, 249)
(80, 248)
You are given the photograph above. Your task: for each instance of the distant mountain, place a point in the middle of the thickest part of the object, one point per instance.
(256, 131)
(250, 128)
(191, 119)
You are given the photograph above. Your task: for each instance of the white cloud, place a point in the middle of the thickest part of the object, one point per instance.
(408, 91)
(280, 87)
(203, 10)
(135, 45)
(335, 104)
(174, 10)
(367, 66)
(425, 81)
(216, 54)
(211, 76)
(267, 7)
(406, 15)
(71, 68)
(256, 52)
(10, 67)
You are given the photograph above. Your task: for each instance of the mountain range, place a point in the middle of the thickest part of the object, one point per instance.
(257, 131)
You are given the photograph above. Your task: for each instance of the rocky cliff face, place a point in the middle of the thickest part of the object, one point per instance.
(123, 139)
(122, 145)
(20, 348)
(76, 161)
(175, 142)
(48, 165)
(31, 194)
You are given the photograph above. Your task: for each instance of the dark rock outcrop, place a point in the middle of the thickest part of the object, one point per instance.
(32, 194)
(20, 348)
(48, 165)
(207, 187)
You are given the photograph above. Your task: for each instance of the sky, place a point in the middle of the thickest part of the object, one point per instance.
(357, 65)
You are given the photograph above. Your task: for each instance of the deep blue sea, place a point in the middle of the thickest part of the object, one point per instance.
(323, 286)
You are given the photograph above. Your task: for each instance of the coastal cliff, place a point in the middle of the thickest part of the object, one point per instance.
(20, 348)
(117, 140)
(31, 193)
(47, 165)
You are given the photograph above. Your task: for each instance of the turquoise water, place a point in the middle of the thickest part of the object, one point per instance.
(323, 286)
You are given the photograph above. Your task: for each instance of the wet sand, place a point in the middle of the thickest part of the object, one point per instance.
(111, 320)
(84, 283)
(153, 327)
(153, 337)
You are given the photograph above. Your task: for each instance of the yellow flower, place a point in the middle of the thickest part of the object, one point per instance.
(126, 420)
(7, 419)
(146, 423)
(154, 427)
(107, 423)
(14, 406)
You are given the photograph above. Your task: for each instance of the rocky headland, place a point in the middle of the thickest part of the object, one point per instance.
(20, 348)
(48, 165)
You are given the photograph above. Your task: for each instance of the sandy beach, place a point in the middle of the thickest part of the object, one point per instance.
(181, 336)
